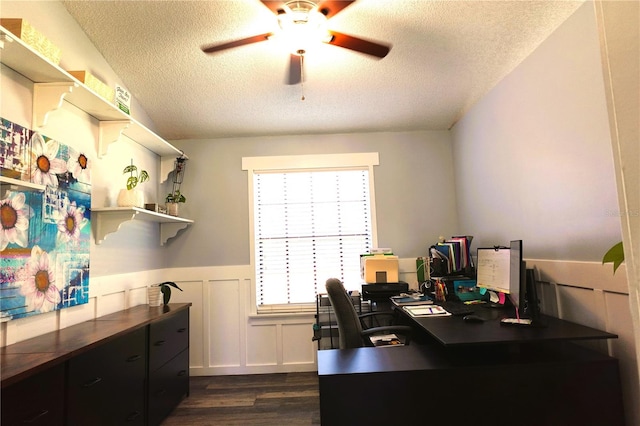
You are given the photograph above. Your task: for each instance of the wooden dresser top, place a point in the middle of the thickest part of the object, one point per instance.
(28, 357)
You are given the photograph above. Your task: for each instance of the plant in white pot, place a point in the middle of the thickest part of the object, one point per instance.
(172, 200)
(132, 196)
(161, 293)
(165, 288)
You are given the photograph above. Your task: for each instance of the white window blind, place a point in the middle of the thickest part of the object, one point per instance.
(309, 226)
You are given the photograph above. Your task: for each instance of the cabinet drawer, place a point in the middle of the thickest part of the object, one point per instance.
(106, 384)
(38, 400)
(167, 338)
(167, 386)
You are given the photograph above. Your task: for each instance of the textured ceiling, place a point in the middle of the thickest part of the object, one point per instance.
(445, 55)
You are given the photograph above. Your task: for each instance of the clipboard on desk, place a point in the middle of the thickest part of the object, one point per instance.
(423, 311)
(493, 269)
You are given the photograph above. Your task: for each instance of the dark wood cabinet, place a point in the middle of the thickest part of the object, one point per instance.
(37, 400)
(167, 338)
(168, 365)
(167, 386)
(126, 368)
(108, 382)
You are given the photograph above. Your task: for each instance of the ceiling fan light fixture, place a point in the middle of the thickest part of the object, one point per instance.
(303, 26)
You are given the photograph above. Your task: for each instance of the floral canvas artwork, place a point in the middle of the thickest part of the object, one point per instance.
(45, 227)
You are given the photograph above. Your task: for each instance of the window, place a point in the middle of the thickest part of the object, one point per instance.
(312, 218)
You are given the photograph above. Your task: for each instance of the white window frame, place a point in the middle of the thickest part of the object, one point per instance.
(303, 163)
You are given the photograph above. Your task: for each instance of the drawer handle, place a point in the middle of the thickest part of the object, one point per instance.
(133, 416)
(160, 343)
(182, 330)
(134, 358)
(93, 382)
(36, 417)
(182, 373)
(161, 392)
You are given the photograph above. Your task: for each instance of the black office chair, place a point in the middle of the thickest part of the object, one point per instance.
(352, 332)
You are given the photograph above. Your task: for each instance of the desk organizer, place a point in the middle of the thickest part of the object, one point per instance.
(466, 290)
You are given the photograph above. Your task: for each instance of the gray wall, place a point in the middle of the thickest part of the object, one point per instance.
(414, 191)
(533, 158)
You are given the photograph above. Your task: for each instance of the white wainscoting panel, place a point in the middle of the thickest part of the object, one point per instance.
(589, 293)
(225, 309)
(300, 348)
(579, 305)
(25, 328)
(79, 313)
(263, 341)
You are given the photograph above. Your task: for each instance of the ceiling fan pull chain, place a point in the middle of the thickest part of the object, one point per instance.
(301, 52)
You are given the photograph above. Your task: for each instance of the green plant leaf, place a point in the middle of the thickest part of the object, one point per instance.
(165, 287)
(171, 283)
(132, 181)
(130, 169)
(166, 294)
(144, 176)
(615, 255)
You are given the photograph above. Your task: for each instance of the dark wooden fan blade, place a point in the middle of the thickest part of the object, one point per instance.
(330, 8)
(295, 69)
(249, 40)
(274, 5)
(358, 44)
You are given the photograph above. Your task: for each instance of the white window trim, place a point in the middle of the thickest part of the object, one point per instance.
(303, 162)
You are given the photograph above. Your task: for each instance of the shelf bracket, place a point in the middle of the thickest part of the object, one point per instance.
(108, 223)
(48, 97)
(4, 38)
(166, 167)
(110, 132)
(170, 230)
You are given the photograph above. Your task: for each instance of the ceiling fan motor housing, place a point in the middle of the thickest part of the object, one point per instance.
(303, 25)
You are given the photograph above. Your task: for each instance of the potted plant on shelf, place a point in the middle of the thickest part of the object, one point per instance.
(132, 196)
(172, 200)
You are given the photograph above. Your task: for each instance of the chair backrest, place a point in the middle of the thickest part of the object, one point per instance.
(349, 326)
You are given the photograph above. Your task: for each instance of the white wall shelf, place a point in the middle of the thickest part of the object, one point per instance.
(53, 85)
(20, 184)
(108, 220)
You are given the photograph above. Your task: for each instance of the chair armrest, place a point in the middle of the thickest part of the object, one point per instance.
(376, 313)
(378, 318)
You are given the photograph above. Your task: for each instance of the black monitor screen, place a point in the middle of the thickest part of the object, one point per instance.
(516, 272)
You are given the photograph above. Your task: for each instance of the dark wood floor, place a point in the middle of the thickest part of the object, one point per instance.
(263, 399)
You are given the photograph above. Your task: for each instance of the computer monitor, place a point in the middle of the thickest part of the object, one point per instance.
(517, 278)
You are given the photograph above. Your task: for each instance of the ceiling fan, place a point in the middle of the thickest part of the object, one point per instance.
(303, 22)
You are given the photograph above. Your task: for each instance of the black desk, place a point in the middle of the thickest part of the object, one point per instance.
(561, 384)
(454, 331)
(474, 374)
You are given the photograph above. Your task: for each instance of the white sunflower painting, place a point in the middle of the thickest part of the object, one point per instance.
(44, 231)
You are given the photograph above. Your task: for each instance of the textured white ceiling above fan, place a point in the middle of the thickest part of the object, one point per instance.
(444, 56)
